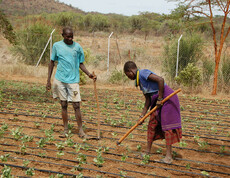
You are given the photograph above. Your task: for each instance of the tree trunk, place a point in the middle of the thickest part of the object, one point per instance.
(217, 61)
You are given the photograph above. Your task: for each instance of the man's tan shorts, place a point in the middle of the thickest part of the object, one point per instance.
(66, 91)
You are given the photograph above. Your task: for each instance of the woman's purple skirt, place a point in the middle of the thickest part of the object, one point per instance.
(170, 112)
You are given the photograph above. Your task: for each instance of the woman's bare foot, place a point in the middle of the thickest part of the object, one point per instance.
(167, 160)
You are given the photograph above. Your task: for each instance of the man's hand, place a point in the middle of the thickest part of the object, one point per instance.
(48, 86)
(94, 77)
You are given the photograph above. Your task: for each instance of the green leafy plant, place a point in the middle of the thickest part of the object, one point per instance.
(5, 157)
(16, 133)
(6, 172)
(146, 159)
(60, 145)
(30, 172)
(99, 160)
(26, 163)
(190, 76)
(138, 147)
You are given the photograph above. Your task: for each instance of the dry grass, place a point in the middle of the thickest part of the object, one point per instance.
(147, 54)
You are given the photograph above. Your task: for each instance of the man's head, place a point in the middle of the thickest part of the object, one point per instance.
(130, 69)
(67, 34)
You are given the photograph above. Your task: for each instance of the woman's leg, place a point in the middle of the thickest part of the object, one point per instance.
(168, 158)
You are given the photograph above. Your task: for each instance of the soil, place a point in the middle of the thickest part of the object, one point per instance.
(203, 150)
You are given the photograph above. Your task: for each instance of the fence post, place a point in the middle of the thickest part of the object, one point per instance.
(108, 52)
(177, 61)
(49, 40)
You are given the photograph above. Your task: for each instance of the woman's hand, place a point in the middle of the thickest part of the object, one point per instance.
(141, 116)
(159, 102)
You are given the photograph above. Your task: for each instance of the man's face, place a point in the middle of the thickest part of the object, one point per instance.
(68, 37)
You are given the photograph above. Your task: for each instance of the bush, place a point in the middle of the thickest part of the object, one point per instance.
(208, 70)
(226, 70)
(117, 77)
(190, 51)
(31, 43)
(190, 76)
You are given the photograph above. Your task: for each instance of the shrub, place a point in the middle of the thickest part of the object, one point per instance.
(32, 41)
(190, 76)
(208, 70)
(190, 51)
(226, 70)
(116, 77)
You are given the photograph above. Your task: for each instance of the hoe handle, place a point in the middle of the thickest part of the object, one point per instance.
(98, 109)
(150, 112)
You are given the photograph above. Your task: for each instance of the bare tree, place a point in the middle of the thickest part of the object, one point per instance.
(207, 8)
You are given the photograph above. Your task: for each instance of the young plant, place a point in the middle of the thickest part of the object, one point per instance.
(77, 147)
(60, 145)
(183, 144)
(203, 145)
(30, 172)
(41, 143)
(123, 174)
(27, 138)
(4, 127)
(26, 163)
(138, 147)
(99, 160)
(69, 142)
(16, 133)
(4, 158)
(23, 149)
(146, 159)
(123, 157)
(159, 150)
(60, 153)
(82, 158)
(6, 172)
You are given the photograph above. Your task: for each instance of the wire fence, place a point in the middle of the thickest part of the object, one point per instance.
(148, 53)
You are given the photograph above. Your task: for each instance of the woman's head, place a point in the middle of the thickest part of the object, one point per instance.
(130, 69)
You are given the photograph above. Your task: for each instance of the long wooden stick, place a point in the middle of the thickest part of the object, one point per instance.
(98, 110)
(143, 118)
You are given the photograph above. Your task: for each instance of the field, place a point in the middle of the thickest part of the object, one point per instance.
(31, 124)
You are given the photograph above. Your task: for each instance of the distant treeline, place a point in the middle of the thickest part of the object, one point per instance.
(144, 23)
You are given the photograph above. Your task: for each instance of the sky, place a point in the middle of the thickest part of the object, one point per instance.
(124, 7)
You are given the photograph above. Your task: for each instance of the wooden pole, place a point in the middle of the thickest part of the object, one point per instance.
(143, 118)
(98, 110)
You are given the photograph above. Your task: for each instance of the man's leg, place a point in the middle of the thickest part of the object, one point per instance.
(64, 105)
(76, 107)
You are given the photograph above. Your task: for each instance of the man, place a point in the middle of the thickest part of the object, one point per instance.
(70, 58)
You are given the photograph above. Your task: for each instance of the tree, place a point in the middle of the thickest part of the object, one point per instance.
(207, 8)
(6, 28)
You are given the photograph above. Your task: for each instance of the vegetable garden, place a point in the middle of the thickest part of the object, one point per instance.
(30, 125)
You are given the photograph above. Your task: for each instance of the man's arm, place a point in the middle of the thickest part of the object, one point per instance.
(83, 68)
(50, 71)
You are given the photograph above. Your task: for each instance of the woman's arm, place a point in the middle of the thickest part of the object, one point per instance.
(147, 104)
(160, 81)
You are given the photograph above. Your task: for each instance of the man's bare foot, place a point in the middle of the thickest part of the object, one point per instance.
(82, 134)
(167, 160)
(63, 135)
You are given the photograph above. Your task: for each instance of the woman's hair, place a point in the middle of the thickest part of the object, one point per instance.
(129, 65)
